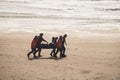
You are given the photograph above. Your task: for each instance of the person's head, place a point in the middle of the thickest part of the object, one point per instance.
(65, 35)
(56, 38)
(60, 37)
(35, 37)
(53, 38)
(41, 34)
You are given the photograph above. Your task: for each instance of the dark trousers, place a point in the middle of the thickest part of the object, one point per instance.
(64, 49)
(39, 49)
(32, 51)
(53, 51)
(58, 50)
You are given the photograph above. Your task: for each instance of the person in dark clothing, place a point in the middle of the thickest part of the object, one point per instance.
(54, 40)
(63, 45)
(40, 39)
(33, 47)
(59, 47)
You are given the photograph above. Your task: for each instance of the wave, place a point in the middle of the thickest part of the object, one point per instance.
(35, 16)
(43, 8)
(113, 9)
(15, 1)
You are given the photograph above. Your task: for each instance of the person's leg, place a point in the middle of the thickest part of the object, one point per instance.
(55, 54)
(39, 50)
(61, 54)
(34, 53)
(64, 49)
(29, 53)
(39, 54)
(52, 52)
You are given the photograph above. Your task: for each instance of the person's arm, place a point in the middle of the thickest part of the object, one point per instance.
(45, 41)
(65, 42)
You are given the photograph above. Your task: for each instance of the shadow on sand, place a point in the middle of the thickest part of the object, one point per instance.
(40, 58)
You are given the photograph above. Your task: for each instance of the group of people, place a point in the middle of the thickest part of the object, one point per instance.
(57, 45)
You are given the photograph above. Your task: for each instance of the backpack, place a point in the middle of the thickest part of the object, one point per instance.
(33, 43)
(59, 44)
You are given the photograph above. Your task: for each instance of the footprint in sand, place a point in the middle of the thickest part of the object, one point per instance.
(97, 78)
(75, 48)
(118, 77)
(1, 54)
(86, 71)
(68, 48)
(100, 76)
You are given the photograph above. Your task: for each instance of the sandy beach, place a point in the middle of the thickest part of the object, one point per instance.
(90, 58)
(93, 28)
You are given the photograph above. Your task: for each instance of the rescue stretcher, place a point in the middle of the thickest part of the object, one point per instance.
(47, 46)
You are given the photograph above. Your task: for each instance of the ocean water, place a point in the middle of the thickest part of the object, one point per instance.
(55, 15)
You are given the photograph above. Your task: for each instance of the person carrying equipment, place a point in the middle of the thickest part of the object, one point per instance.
(33, 47)
(40, 39)
(59, 47)
(54, 42)
(63, 45)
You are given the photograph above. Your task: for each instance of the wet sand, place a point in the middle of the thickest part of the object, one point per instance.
(88, 58)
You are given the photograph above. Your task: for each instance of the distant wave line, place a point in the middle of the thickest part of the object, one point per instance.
(16, 1)
(31, 15)
(50, 9)
(113, 9)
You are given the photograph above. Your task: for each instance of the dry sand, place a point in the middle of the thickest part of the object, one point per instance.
(91, 58)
